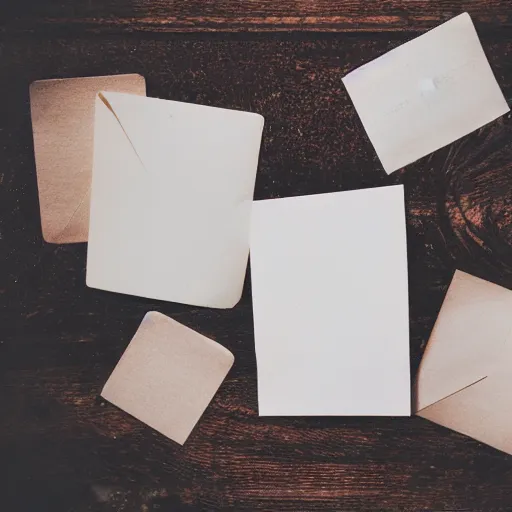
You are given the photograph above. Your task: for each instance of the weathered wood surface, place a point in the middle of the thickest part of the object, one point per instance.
(249, 15)
(64, 449)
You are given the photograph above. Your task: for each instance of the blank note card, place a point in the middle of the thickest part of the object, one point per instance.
(167, 376)
(330, 298)
(426, 93)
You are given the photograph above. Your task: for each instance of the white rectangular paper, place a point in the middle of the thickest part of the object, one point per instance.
(330, 299)
(171, 199)
(426, 93)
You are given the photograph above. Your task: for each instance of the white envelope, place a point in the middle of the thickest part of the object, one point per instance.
(331, 315)
(426, 93)
(465, 376)
(172, 192)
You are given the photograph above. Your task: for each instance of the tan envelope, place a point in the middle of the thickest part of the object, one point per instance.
(167, 376)
(465, 377)
(63, 126)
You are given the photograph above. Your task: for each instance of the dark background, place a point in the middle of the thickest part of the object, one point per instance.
(62, 448)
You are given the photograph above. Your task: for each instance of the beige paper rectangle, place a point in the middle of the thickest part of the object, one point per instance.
(167, 376)
(63, 127)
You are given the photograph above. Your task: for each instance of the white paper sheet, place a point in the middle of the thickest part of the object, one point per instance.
(426, 93)
(171, 199)
(330, 299)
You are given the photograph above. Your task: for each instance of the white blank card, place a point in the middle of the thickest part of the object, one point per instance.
(330, 299)
(426, 93)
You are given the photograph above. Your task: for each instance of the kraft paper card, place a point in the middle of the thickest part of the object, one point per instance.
(465, 376)
(426, 93)
(330, 312)
(171, 199)
(167, 376)
(62, 122)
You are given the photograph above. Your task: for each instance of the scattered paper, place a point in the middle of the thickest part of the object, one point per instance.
(167, 376)
(62, 121)
(426, 93)
(171, 199)
(464, 379)
(331, 312)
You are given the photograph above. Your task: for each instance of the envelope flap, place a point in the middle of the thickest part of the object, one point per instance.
(469, 338)
(479, 411)
(76, 227)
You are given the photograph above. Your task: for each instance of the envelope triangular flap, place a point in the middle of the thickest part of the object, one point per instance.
(480, 410)
(468, 340)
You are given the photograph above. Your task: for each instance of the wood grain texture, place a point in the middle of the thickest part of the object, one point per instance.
(253, 15)
(65, 449)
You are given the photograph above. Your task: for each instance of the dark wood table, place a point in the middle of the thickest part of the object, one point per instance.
(62, 448)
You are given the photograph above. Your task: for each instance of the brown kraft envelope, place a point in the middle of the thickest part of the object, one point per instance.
(465, 376)
(63, 126)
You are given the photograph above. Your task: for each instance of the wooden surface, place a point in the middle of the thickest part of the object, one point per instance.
(63, 448)
(250, 15)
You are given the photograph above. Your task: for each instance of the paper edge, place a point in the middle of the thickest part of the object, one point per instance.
(256, 115)
(36, 83)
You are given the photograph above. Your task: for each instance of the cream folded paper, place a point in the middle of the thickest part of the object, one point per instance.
(171, 199)
(167, 376)
(426, 93)
(62, 121)
(331, 314)
(465, 376)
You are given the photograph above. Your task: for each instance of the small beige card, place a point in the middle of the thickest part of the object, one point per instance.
(426, 93)
(63, 126)
(167, 376)
(464, 379)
